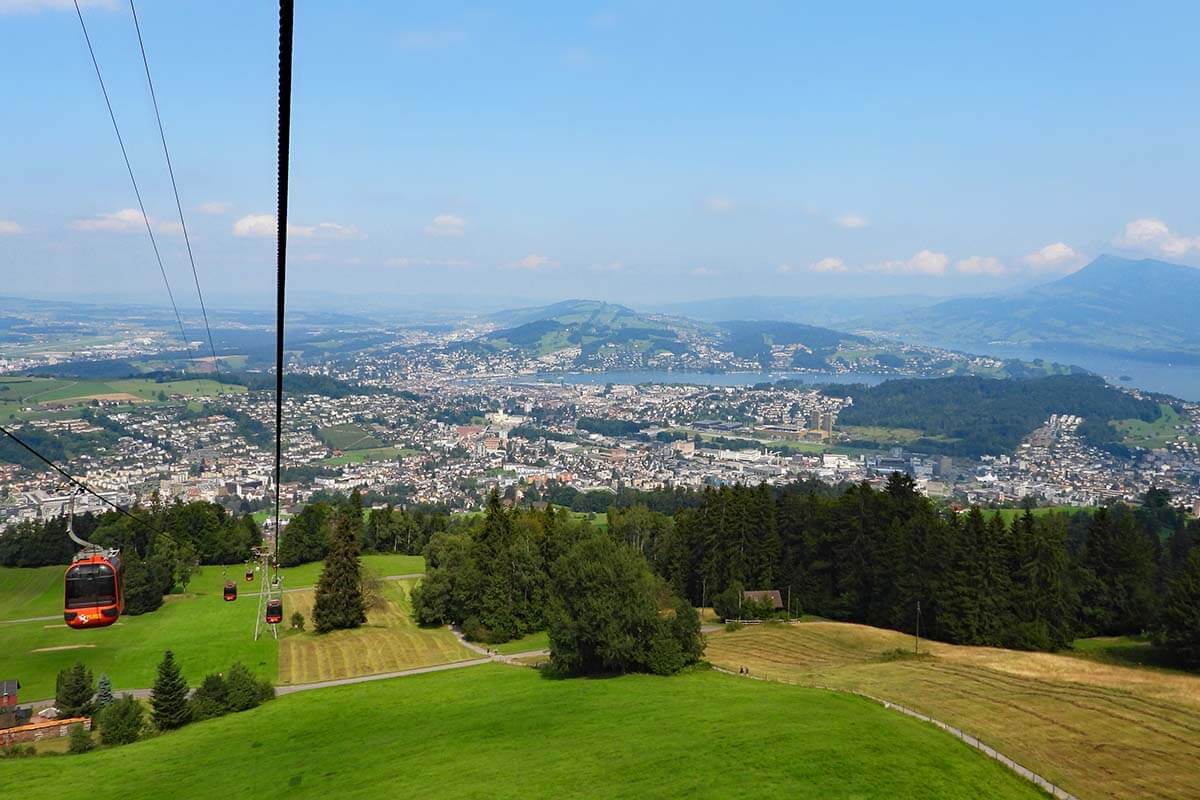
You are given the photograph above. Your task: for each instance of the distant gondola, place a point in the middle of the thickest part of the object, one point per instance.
(230, 591)
(249, 575)
(274, 612)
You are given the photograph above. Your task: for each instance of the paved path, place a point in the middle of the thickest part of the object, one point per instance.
(305, 687)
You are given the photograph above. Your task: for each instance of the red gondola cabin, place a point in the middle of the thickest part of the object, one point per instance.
(249, 575)
(274, 612)
(230, 591)
(94, 593)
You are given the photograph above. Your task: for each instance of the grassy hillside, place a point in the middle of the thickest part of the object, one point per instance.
(506, 732)
(206, 633)
(1097, 729)
(390, 641)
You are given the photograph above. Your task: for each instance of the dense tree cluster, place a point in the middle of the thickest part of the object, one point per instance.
(973, 416)
(202, 533)
(870, 556)
(515, 572)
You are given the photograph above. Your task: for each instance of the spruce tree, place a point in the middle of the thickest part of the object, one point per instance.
(339, 599)
(104, 695)
(73, 691)
(168, 698)
(1181, 612)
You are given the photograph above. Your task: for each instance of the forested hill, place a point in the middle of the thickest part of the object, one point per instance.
(974, 416)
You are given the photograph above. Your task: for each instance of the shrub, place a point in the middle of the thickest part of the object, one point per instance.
(728, 604)
(297, 621)
(245, 690)
(80, 740)
(121, 721)
(211, 698)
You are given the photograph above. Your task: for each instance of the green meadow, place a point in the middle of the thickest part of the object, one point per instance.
(206, 633)
(507, 732)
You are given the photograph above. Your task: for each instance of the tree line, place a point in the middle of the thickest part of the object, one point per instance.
(198, 533)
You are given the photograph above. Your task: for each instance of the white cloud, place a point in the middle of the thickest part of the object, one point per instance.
(785, 269)
(851, 221)
(264, 226)
(127, 219)
(534, 262)
(214, 208)
(169, 228)
(831, 264)
(925, 262)
(334, 230)
(404, 262)
(1056, 256)
(18, 6)
(981, 265)
(719, 205)
(256, 225)
(10, 228)
(446, 225)
(1154, 236)
(704, 272)
(429, 40)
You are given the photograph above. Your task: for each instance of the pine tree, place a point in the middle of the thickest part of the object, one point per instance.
(339, 599)
(121, 722)
(104, 695)
(168, 698)
(73, 691)
(1181, 612)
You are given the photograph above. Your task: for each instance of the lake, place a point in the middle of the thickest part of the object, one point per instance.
(1181, 381)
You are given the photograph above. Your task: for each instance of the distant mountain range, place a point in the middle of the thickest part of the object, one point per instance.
(1145, 308)
(833, 312)
(606, 331)
(612, 336)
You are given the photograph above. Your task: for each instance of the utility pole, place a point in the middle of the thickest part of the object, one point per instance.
(917, 640)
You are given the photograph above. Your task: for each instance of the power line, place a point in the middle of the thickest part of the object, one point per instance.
(83, 486)
(178, 205)
(129, 168)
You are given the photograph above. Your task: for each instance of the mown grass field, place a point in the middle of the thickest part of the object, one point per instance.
(506, 732)
(1153, 435)
(388, 453)
(206, 633)
(349, 437)
(390, 641)
(17, 393)
(539, 640)
(1010, 514)
(34, 592)
(1097, 729)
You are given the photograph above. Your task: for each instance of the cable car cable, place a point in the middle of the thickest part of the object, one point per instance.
(84, 487)
(174, 187)
(129, 168)
(286, 9)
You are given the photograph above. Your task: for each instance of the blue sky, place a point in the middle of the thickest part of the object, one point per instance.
(634, 152)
